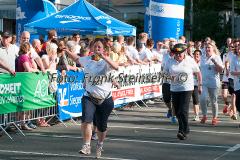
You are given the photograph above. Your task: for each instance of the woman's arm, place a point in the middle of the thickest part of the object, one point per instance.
(219, 68)
(235, 73)
(199, 77)
(27, 67)
(113, 64)
(74, 57)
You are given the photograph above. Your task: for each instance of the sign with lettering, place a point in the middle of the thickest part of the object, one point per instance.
(25, 91)
(69, 94)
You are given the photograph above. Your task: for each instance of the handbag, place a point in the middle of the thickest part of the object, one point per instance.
(97, 101)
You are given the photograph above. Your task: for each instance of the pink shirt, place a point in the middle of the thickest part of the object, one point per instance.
(22, 59)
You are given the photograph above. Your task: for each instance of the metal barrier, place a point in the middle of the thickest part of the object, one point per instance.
(6, 120)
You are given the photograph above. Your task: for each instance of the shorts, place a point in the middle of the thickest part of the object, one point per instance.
(100, 113)
(166, 92)
(195, 96)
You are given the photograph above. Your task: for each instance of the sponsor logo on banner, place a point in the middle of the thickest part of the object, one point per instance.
(130, 92)
(63, 94)
(150, 89)
(165, 10)
(72, 18)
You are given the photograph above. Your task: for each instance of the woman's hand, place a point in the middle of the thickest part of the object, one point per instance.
(200, 89)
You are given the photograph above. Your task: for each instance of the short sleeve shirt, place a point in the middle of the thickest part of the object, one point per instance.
(21, 60)
(94, 70)
(235, 67)
(181, 73)
(210, 77)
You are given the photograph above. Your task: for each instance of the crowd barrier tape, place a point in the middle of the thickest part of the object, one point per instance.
(30, 91)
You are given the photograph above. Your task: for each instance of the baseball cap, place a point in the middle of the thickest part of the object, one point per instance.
(6, 34)
(179, 48)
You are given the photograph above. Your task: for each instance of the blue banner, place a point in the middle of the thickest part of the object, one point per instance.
(69, 95)
(31, 10)
(164, 19)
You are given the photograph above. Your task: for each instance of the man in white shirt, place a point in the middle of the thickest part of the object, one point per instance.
(8, 52)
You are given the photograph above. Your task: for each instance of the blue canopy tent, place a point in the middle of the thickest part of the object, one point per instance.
(84, 18)
(29, 11)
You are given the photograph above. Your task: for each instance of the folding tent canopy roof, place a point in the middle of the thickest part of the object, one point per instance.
(84, 18)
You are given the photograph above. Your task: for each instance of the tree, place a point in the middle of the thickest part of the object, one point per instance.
(208, 21)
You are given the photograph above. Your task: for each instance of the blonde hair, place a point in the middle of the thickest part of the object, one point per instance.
(51, 48)
(215, 49)
(116, 47)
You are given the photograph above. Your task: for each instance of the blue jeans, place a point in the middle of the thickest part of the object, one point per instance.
(212, 95)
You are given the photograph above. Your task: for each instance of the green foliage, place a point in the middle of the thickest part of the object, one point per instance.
(207, 21)
(138, 23)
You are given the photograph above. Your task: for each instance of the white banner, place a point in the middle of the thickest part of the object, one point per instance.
(137, 83)
(165, 10)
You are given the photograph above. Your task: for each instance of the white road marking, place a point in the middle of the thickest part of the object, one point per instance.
(234, 148)
(139, 141)
(60, 155)
(172, 129)
(224, 154)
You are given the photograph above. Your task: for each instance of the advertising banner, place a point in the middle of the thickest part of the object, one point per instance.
(137, 83)
(25, 91)
(31, 10)
(69, 94)
(164, 18)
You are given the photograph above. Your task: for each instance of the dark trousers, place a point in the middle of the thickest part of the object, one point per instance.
(237, 93)
(180, 102)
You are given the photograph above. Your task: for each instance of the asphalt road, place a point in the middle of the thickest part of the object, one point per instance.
(134, 134)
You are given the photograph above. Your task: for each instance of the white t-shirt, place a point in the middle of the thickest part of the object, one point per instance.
(132, 52)
(94, 70)
(195, 76)
(182, 73)
(8, 56)
(146, 54)
(166, 57)
(235, 67)
(210, 77)
(230, 57)
(159, 54)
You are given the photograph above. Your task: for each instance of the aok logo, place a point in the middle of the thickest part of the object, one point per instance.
(62, 94)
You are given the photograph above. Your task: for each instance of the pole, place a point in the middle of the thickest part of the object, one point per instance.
(150, 20)
(233, 23)
(191, 20)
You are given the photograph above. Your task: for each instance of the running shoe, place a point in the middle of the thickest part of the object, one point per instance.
(86, 149)
(215, 121)
(204, 119)
(174, 119)
(234, 117)
(181, 136)
(99, 149)
(196, 118)
(94, 136)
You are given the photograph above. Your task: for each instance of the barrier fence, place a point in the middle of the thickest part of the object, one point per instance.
(37, 94)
